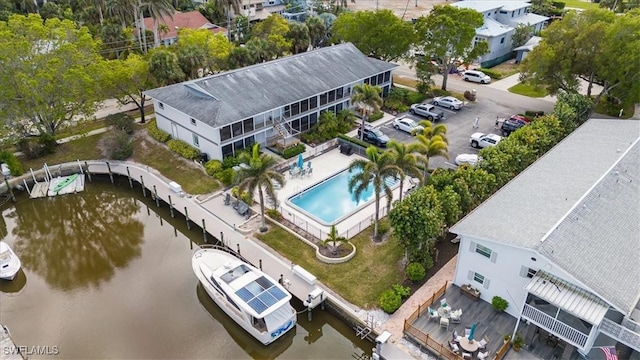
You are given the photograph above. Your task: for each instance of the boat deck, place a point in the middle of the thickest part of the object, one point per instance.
(43, 189)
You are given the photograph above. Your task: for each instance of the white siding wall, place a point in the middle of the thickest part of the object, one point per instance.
(504, 271)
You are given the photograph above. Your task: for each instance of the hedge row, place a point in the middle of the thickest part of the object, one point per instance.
(492, 73)
(355, 141)
(290, 152)
(156, 133)
(183, 149)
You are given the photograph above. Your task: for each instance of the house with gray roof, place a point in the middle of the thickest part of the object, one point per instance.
(500, 21)
(225, 113)
(561, 241)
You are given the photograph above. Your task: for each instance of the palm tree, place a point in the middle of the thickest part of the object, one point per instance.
(228, 5)
(261, 176)
(430, 147)
(430, 130)
(373, 170)
(367, 98)
(333, 238)
(157, 9)
(405, 159)
(122, 10)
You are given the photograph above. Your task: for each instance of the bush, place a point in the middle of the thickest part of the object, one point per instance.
(414, 97)
(499, 304)
(274, 214)
(183, 149)
(415, 271)
(290, 152)
(12, 162)
(212, 167)
(390, 301)
(383, 227)
(492, 73)
(156, 133)
(403, 291)
(558, 4)
(226, 176)
(121, 122)
(355, 141)
(229, 162)
(48, 143)
(245, 196)
(118, 145)
(533, 114)
(375, 116)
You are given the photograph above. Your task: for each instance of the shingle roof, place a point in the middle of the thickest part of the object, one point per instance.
(570, 199)
(183, 20)
(227, 97)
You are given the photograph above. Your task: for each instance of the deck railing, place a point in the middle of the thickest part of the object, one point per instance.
(425, 305)
(566, 332)
(502, 351)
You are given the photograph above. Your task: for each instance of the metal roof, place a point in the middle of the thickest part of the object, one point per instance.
(527, 19)
(492, 28)
(231, 96)
(568, 297)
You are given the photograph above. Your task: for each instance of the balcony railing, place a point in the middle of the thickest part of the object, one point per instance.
(621, 333)
(557, 327)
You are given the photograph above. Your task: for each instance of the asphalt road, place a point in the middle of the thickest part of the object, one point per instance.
(490, 103)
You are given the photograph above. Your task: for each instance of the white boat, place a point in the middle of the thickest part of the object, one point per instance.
(250, 297)
(9, 262)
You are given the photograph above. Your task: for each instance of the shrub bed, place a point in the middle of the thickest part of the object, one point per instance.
(183, 149)
(375, 116)
(290, 152)
(212, 167)
(492, 73)
(121, 122)
(156, 133)
(119, 145)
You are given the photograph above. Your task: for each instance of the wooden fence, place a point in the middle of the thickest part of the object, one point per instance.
(502, 351)
(422, 308)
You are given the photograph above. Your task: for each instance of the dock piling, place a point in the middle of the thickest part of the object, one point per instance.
(110, 173)
(144, 189)
(86, 165)
(204, 231)
(186, 216)
(129, 176)
(13, 197)
(171, 207)
(238, 247)
(260, 262)
(155, 195)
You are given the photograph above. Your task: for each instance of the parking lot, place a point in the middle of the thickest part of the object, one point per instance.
(460, 126)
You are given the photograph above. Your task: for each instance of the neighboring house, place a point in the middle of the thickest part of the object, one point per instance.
(186, 20)
(224, 113)
(523, 51)
(260, 10)
(561, 241)
(500, 21)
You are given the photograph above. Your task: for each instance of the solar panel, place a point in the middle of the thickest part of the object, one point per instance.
(260, 294)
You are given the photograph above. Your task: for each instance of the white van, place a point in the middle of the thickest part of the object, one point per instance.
(476, 76)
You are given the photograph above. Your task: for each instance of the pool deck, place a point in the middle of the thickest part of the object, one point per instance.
(324, 166)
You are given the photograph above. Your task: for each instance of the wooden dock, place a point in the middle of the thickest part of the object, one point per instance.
(8, 349)
(45, 188)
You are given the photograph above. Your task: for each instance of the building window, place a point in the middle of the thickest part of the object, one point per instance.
(387, 76)
(237, 128)
(332, 96)
(161, 105)
(295, 109)
(502, 41)
(196, 141)
(313, 119)
(248, 125)
(287, 111)
(227, 151)
(483, 250)
(479, 278)
(373, 80)
(380, 78)
(304, 123)
(295, 124)
(225, 133)
(503, 12)
(513, 13)
(339, 93)
(304, 105)
(323, 99)
(313, 102)
(527, 272)
(193, 122)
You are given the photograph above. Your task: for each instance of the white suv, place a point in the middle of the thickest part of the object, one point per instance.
(481, 140)
(476, 76)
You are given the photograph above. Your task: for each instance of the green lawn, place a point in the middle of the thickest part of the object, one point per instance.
(361, 280)
(84, 148)
(527, 90)
(81, 128)
(580, 4)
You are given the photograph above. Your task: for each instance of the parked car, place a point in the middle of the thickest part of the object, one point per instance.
(511, 125)
(520, 118)
(407, 125)
(374, 136)
(481, 140)
(448, 102)
(427, 110)
(471, 159)
(476, 76)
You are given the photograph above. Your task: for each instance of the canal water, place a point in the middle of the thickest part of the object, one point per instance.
(106, 274)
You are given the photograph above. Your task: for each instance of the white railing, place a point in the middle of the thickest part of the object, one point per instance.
(620, 333)
(556, 327)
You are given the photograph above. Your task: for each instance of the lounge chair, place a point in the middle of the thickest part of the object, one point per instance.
(454, 347)
(443, 302)
(455, 316)
(235, 204)
(483, 343)
(444, 322)
(309, 171)
(466, 355)
(227, 199)
(483, 356)
(433, 314)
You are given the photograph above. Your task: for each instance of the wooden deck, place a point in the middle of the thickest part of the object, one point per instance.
(8, 349)
(490, 323)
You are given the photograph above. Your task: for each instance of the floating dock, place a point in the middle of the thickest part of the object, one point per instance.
(47, 188)
(9, 349)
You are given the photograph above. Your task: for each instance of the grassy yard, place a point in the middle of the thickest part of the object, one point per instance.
(85, 148)
(507, 68)
(527, 90)
(361, 280)
(579, 4)
(81, 128)
(405, 81)
(193, 179)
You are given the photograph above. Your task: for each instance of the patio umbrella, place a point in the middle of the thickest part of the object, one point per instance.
(472, 332)
(300, 161)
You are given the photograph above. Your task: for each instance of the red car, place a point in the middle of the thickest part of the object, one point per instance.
(521, 119)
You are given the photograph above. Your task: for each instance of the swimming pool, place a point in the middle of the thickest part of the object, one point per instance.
(330, 200)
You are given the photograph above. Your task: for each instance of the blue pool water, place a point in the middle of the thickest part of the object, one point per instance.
(331, 200)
